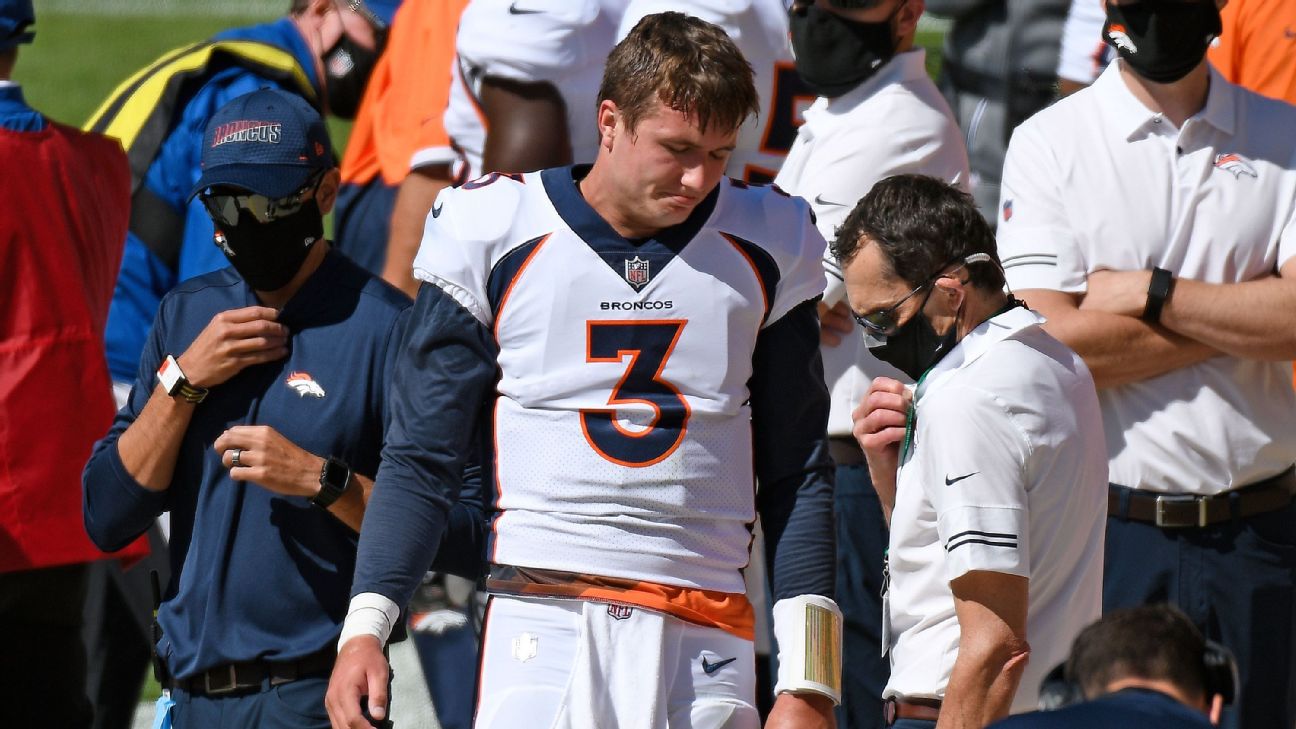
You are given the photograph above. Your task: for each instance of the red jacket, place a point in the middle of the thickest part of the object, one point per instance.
(64, 206)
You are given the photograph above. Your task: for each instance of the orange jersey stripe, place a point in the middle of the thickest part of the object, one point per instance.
(728, 611)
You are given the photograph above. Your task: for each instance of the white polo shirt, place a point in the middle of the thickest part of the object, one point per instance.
(896, 122)
(1084, 53)
(1007, 472)
(1097, 181)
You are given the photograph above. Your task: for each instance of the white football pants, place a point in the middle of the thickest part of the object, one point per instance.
(573, 664)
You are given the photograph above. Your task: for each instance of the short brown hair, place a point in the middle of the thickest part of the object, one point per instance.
(688, 64)
(1148, 642)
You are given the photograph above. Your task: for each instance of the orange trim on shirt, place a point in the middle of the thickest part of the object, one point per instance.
(728, 611)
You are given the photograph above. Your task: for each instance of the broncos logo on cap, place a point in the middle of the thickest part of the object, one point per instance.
(304, 384)
(1236, 164)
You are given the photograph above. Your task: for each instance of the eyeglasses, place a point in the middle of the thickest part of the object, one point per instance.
(885, 322)
(224, 209)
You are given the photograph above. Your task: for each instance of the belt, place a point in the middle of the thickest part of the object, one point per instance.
(1179, 511)
(845, 451)
(894, 709)
(245, 676)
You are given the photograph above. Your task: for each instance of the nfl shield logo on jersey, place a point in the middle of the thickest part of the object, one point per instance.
(636, 272)
(620, 612)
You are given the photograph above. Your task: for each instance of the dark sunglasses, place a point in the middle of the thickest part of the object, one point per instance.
(224, 208)
(885, 322)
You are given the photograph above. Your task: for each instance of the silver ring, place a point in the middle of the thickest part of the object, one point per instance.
(234, 462)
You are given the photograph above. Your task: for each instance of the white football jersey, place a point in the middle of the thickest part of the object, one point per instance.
(562, 42)
(622, 429)
(760, 30)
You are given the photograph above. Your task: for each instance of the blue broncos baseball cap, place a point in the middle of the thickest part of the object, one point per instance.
(15, 17)
(269, 142)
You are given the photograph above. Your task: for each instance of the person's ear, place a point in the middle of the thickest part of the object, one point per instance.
(907, 18)
(608, 117)
(327, 193)
(951, 291)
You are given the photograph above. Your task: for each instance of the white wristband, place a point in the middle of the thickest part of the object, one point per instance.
(369, 614)
(808, 629)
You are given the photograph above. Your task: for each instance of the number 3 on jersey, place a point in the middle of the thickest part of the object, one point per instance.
(648, 344)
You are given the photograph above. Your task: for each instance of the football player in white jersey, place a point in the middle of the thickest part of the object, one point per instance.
(760, 30)
(636, 344)
(526, 76)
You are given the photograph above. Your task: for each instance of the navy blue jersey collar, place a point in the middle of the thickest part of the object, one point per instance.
(560, 184)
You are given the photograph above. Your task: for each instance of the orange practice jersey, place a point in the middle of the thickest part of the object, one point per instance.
(407, 95)
(1258, 47)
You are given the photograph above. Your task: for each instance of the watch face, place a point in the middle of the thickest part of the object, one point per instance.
(335, 474)
(169, 375)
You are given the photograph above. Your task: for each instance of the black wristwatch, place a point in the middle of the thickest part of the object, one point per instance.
(1159, 289)
(175, 384)
(335, 477)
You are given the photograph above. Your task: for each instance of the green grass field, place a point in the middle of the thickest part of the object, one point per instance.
(79, 57)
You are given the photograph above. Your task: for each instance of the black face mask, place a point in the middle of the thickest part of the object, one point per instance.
(268, 255)
(833, 54)
(1162, 40)
(348, 66)
(915, 346)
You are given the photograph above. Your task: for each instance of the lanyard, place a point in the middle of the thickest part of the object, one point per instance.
(911, 417)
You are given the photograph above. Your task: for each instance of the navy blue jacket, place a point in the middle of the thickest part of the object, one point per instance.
(256, 574)
(1128, 709)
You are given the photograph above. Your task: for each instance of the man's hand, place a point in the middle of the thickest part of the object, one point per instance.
(880, 421)
(879, 428)
(361, 670)
(835, 323)
(1117, 292)
(231, 341)
(801, 711)
(269, 460)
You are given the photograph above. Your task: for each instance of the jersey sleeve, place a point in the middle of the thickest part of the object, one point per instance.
(460, 240)
(789, 403)
(1035, 238)
(527, 40)
(974, 463)
(440, 390)
(783, 227)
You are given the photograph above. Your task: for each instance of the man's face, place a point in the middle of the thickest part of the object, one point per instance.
(871, 289)
(666, 166)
